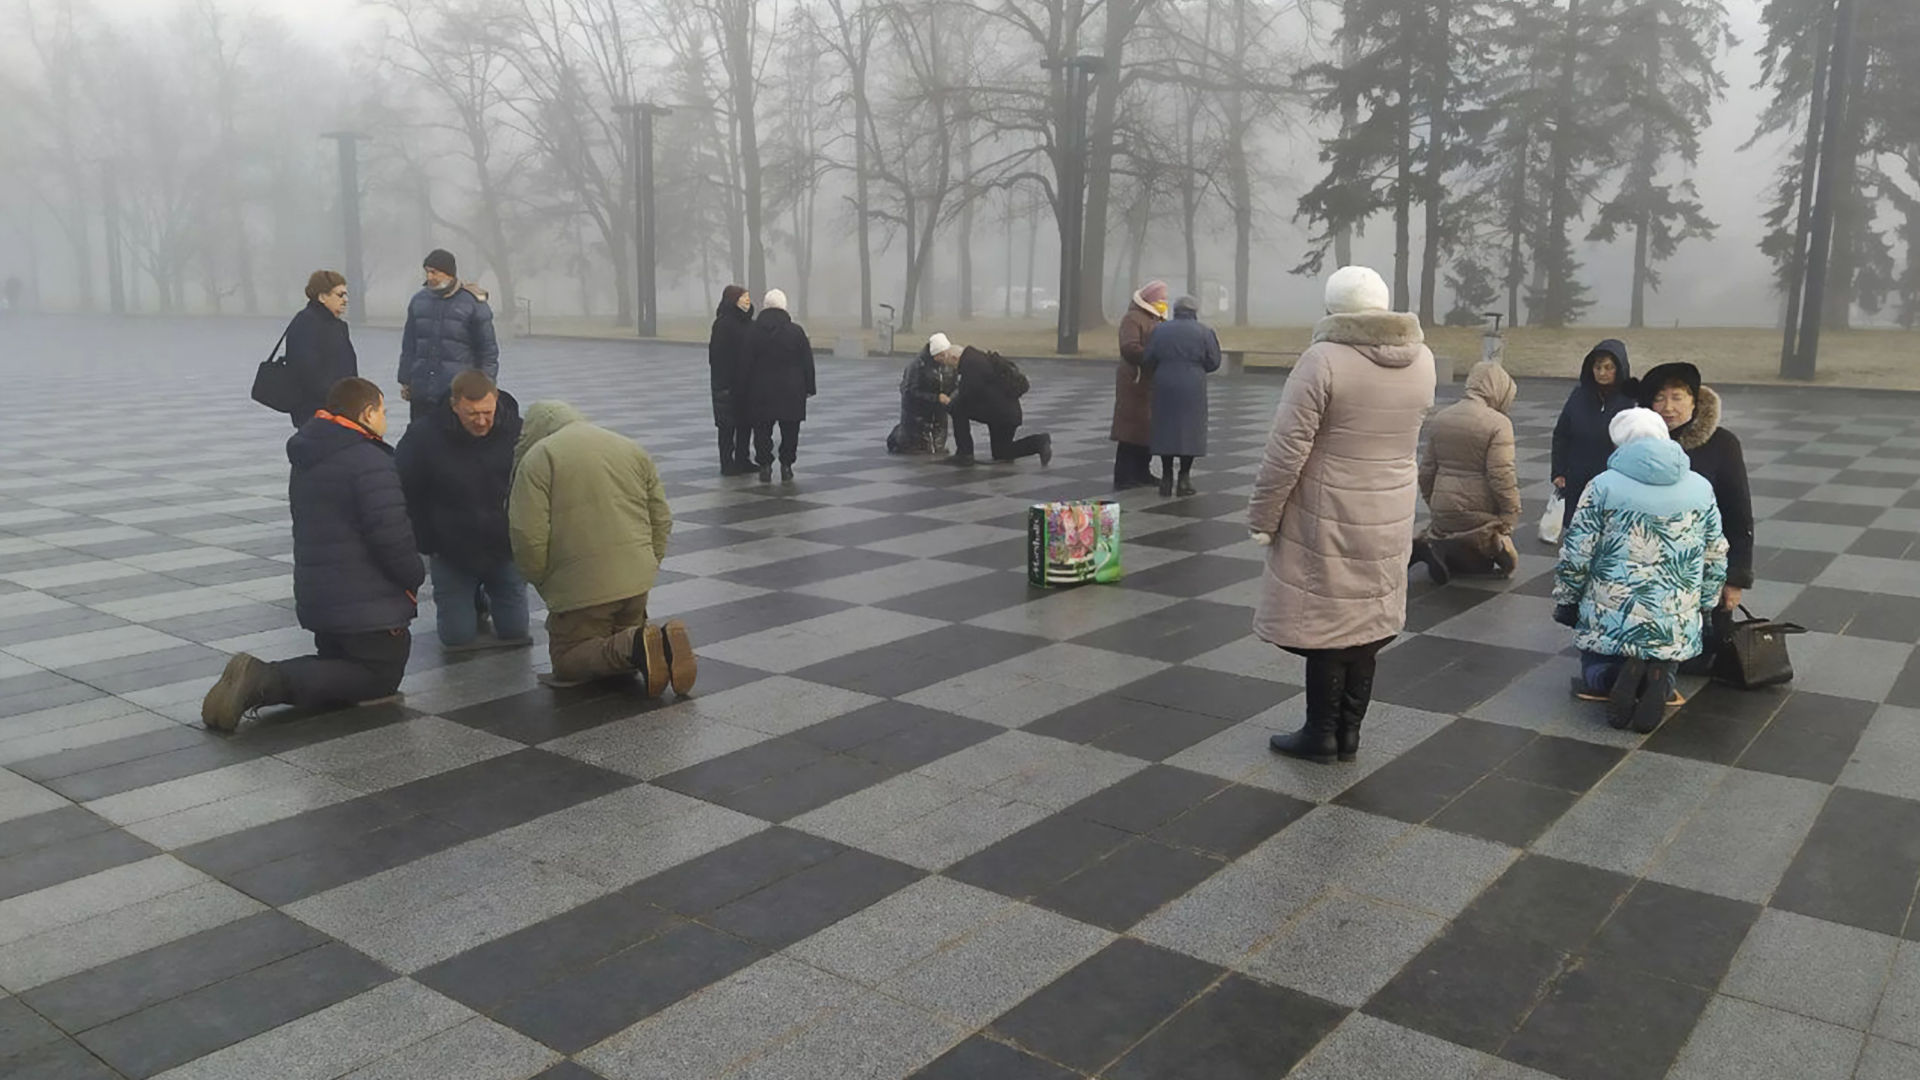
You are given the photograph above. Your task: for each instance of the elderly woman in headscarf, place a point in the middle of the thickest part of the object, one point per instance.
(1133, 389)
(1470, 483)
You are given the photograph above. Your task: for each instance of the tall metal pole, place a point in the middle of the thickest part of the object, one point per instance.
(1820, 246)
(350, 218)
(649, 233)
(632, 113)
(1809, 161)
(110, 206)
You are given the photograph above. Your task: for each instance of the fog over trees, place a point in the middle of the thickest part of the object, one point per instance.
(1620, 161)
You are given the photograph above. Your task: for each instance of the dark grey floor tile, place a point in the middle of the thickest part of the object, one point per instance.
(1239, 1030)
(919, 661)
(1204, 505)
(1831, 513)
(809, 787)
(742, 769)
(546, 713)
(1178, 633)
(60, 1060)
(809, 569)
(813, 898)
(739, 869)
(755, 613)
(575, 1012)
(456, 786)
(1433, 606)
(1233, 822)
(490, 975)
(1706, 736)
(173, 765)
(144, 671)
(1092, 1014)
(1445, 676)
(114, 752)
(1812, 737)
(1135, 880)
(1107, 714)
(926, 742)
(1050, 850)
(317, 869)
(1174, 731)
(292, 729)
(196, 1024)
(1505, 810)
(1674, 933)
(1605, 1020)
(1195, 575)
(1214, 693)
(1859, 864)
(1553, 902)
(52, 864)
(868, 724)
(872, 531)
(228, 855)
(1566, 764)
(1473, 745)
(1148, 799)
(22, 1029)
(1906, 688)
(58, 691)
(1409, 789)
(974, 597)
(568, 1070)
(128, 985)
(1199, 536)
(52, 827)
(1471, 985)
(484, 813)
(980, 1058)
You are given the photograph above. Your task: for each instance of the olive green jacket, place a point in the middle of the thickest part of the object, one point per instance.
(588, 515)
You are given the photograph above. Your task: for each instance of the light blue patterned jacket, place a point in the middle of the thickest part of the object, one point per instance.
(1644, 555)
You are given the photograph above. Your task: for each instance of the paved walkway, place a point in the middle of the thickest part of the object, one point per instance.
(918, 819)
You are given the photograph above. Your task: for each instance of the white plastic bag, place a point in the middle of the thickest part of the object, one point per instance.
(1551, 521)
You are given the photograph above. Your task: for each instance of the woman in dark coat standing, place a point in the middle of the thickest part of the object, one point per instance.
(779, 366)
(1180, 355)
(990, 391)
(1133, 389)
(1581, 445)
(319, 352)
(731, 322)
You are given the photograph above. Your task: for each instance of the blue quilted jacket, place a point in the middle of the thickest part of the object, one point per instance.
(444, 336)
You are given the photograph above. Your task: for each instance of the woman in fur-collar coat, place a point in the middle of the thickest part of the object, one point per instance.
(1334, 502)
(1692, 413)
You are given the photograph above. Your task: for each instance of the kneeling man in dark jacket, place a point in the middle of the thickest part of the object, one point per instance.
(991, 387)
(355, 568)
(456, 465)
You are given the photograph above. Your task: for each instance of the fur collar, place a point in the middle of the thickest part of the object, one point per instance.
(1694, 434)
(1370, 328)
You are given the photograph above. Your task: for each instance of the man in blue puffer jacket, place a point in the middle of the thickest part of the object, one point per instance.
(356, 569)
(449, 330)
(1644, 556)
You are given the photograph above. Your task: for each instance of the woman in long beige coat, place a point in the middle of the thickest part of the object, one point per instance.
(1334, 503)
(1468, 478)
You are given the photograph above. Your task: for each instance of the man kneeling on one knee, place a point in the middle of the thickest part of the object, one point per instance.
(589, 523)
(355, 568)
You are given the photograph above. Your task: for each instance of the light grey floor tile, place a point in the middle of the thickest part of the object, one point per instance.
(620, 859)
(1624, 822)
(1254, 659)
(999, 964)
(875, 1037)
(1898, 1017)
(1012, 754)
(20, 797)
(1390, 731)
(891, 582)
(608, 817)
(812, 641)
(1344, 948)
(657, 744)
(1884, 1060)
(738, 1019)
(1092, 610)
(415, 886)
(1068, 778)
(1738, 1040)
(199, 789)
(336, 1040)
(1743, 837)
(1812, 967)
(866, 815)
(410, 941)
(110, 936)
(1510, 621)
(955, 831)
(1887, 759)
(1849, 667)
(244, 811)
(1368, 1048)
(874, 945)
(71, 727)
(477, 1049)
(96, 894)
(1433, 871)
(1539, 701)
(779, 705)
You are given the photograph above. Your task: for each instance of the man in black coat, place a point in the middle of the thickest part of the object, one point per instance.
(355, 569)
(319, 349)
(456, 467)
(731, 323)
(779, 366)
(449, 330)
(990, 391)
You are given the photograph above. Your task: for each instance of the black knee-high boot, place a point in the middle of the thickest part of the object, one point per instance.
(1356, 695)
(1318, 740)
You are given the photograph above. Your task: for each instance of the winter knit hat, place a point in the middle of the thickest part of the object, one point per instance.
(1154, 292)
(1353, 289)
(1187, 303)
(775, 300)
(1632, 425)
(937, 345)
(442, 260)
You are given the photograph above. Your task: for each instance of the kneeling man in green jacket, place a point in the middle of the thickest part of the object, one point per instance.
(589, 522)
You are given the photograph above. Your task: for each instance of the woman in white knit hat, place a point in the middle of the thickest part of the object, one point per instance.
(1642, 559)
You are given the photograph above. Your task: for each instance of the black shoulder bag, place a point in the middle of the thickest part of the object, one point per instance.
(275, 384)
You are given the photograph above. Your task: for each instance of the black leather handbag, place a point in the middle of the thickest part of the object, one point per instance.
(1752, 652)
(275, 384)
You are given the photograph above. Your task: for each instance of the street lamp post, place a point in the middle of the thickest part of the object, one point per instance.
(348, 142)
(646, 261)
(1079, 73)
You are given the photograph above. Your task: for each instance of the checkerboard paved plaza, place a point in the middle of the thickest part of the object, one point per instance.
(919, 820)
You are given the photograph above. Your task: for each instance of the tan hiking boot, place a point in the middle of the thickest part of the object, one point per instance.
(650, 658)
(243, 687)
(682, 666)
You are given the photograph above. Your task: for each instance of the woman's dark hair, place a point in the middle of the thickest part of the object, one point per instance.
(323, 282)
(731, 295)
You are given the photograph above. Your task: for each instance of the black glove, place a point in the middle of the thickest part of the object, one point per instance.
(1566, 614)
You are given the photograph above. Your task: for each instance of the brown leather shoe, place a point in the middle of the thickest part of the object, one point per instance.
(682, 666)
(650, 658)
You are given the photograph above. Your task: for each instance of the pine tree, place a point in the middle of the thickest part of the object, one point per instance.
(1474, 291)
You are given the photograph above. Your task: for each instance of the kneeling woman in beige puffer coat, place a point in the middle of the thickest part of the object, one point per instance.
(1334, 502)
(1468, 478)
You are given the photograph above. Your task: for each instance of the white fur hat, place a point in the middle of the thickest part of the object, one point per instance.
(937, 345)
(775, 299)
(1632, 425)
(1354, 289)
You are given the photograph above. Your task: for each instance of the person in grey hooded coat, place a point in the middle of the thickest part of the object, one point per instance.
(1180, 355)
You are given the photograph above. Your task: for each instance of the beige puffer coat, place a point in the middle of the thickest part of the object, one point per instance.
(1467, 474)
(1337, 488)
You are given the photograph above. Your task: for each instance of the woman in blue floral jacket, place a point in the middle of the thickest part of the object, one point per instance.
(1643, 557)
